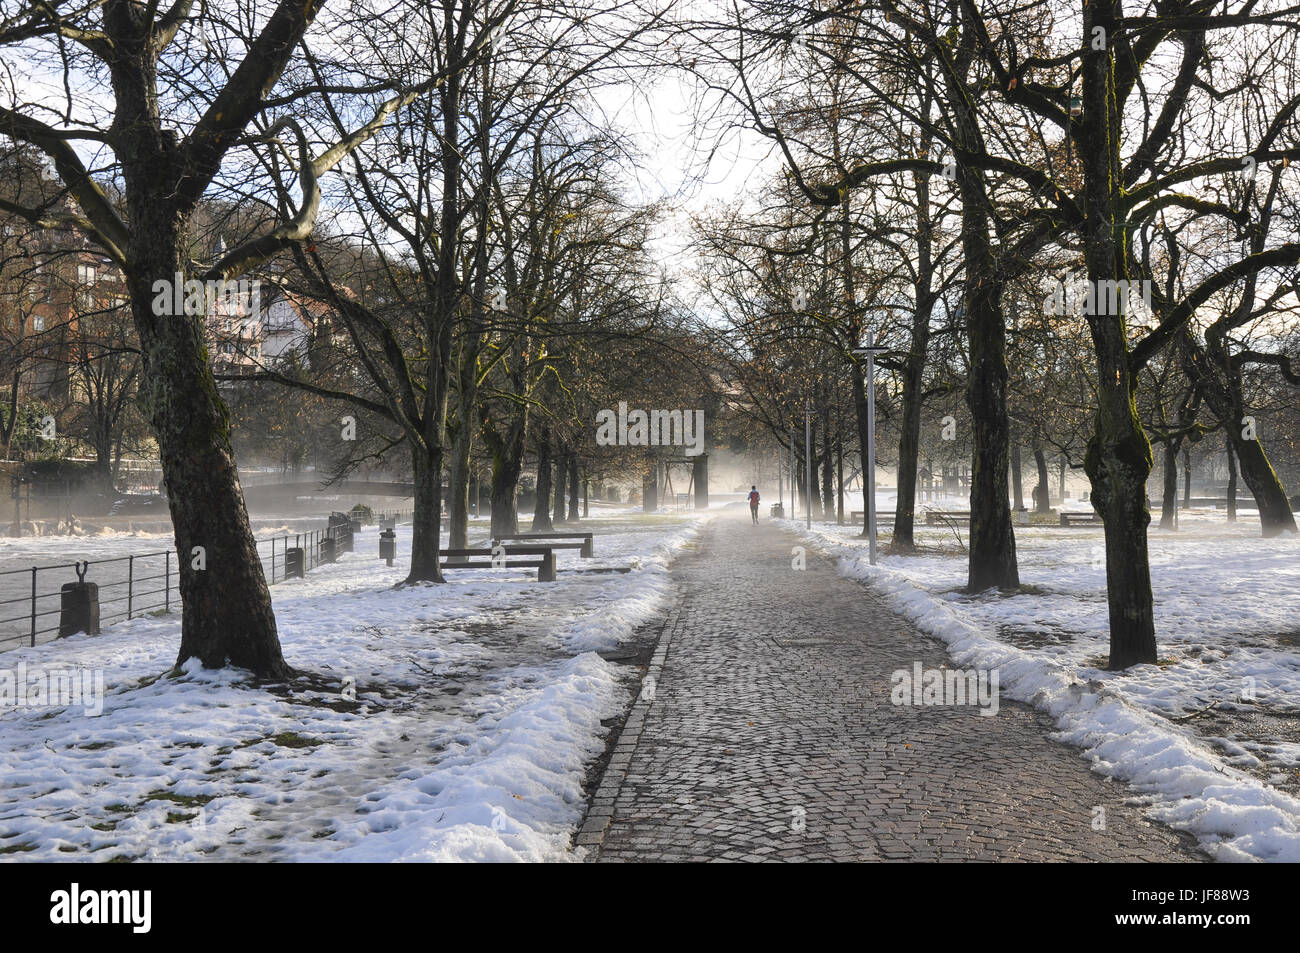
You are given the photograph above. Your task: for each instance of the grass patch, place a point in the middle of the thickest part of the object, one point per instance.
(17, 848)
(286, 739)
(179, 818)
(95, 745)
(184, 800)
(104, 826)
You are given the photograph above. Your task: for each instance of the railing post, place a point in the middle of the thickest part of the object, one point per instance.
(33, 607)
(130, 583)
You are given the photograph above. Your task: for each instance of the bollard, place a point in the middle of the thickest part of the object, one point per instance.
(388, 545)
(293, 562)
(328, 551)
(79, 605)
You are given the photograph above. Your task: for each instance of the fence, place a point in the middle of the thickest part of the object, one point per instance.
(30, 599)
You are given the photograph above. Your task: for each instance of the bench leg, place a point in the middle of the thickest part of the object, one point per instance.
(586, 549)
(546, 571)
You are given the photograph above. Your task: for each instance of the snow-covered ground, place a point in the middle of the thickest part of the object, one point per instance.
(449, 722)
(1228, 625)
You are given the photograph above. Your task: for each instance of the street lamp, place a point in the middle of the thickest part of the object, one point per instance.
(870, 352)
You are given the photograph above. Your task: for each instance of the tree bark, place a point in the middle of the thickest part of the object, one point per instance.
(1232, 481)
(561, 473)
(1222, 390)
(1275, 513)
(828, 461)
(426, 520)
(1017, 479)
(1042, 496)
(542, 508)
(574, 515)
(458, 481)
(1169, 502)
(839, 479)
(1118, 459)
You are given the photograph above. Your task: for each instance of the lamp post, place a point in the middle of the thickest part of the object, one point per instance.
(870, 352)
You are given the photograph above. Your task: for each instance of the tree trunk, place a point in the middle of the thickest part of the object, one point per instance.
(426, 520)
(814, 495)
(1275, 514)
(1169, 502)
(504, 497)
(1187, 477)
(542, 508)
(860, 412)
(650, 488)
(574, 516)
(1042, 497)
(1017, 479)
(1232, 481)
(1224, 395)
(1118, 459)
(992, 540)
(828, 471)
(458, 481)
(226, 616)
(561, 473)
(839, 479)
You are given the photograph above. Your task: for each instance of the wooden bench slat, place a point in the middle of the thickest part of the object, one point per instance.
(545, 566)
(586, 545)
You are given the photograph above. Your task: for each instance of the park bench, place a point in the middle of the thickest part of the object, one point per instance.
(882, 516)
(939, 517)
(540, 558)
(580, 541)
(1079, 519)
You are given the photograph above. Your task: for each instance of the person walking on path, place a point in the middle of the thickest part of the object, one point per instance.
(753, 503)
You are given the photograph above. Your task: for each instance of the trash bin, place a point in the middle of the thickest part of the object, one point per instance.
(293, 563)
(79, 606)
(778, 511)
(388, 545)
(328, 551)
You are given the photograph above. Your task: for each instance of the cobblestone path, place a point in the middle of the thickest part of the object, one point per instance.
(771, 736)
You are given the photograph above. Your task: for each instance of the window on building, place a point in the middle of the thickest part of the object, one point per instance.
(38, 322)
(86, 274)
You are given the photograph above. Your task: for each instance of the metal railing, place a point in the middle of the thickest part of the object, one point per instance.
(140, 583)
